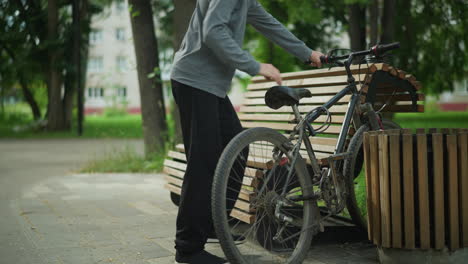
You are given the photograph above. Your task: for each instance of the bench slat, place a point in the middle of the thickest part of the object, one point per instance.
(174, 172)
(319, 81)
(336, 119)
(176, 155)
(287, 109)
(172, 188)
(173, 180)
(320, 72)
(285, 126)
(245, 206)
(318, 90)
(310, 100)
(175, 164)
(243, 216)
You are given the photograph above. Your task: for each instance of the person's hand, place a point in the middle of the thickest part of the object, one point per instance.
(270, 72)
(315, 58)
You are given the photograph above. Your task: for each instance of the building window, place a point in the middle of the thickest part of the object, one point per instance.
(122, 91)
(120, 34)
(95, 36)
(121, 63)
(120, 6)
(95, 92)
(95, 64)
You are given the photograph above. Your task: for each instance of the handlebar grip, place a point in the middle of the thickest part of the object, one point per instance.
(324, 59)
(381, 49)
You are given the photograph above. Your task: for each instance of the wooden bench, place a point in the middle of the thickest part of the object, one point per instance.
(383, 83)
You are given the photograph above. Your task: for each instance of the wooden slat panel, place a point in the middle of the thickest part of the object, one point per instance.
(259, 162)
(172, 188)
(320, 150)
(439, 220)
(321, 72)
(174, 172)
(173, 180)
(175, 164)
(180, 147)
(423, 192)
(321, 81)
(251, 182)
(177, 155)
(244, 206)
(252, 172)
(336, 119)
(454, 242)
(246, 195)
(374, 158)
(384, 190)
(318, 90)
(370, 212)
(287, 109)
(395, 185)
(285, 126)
(463, 186)
(408, 183)
(243, 216)
(303, 101)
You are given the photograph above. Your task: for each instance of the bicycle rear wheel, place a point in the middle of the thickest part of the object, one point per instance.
(277, 230)
(354, 172)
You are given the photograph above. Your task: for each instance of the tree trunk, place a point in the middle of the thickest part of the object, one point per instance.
(388, 22)
(183, 10)
(151, 94)
(374, 22)
(55, 119)
(69, 94)
(28, 96)
(357, 26)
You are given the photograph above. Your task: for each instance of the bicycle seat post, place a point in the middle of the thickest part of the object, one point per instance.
(297, 114)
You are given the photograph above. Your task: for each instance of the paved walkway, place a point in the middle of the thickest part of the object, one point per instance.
(64, 217)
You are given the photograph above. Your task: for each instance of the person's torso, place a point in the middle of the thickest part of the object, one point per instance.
(194, 60)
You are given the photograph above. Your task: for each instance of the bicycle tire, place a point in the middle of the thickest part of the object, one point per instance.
(219, 200)
(352, 168)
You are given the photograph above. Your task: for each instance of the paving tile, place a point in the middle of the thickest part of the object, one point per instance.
(123, 218)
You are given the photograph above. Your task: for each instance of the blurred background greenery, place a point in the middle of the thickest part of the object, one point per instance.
(38, 43)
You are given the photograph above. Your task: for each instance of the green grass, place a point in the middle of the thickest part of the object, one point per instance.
(128, 126)
(432, 119)
(125, 161)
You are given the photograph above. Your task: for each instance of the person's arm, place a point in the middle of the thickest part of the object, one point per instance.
(272, 29)
(216, 35)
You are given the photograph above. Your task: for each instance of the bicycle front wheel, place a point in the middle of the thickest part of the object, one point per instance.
(254, 182)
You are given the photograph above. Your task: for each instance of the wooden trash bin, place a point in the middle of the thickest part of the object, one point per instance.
(417, 192)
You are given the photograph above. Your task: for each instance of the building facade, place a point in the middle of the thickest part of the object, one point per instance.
(112, 80)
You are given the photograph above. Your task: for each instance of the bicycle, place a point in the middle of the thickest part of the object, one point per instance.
(286, 201)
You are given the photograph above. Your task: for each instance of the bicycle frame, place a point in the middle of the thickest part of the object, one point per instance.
(350, 88)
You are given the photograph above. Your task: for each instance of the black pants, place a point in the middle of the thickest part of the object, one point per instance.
(208, 124)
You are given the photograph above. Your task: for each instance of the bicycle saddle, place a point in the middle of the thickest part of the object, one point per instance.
(278, 96)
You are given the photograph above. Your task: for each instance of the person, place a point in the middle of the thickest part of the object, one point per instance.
(201, 76)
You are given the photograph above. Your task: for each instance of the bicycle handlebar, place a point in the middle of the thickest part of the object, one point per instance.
(376, 50)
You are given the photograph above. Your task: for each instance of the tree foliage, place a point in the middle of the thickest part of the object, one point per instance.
(432, 34)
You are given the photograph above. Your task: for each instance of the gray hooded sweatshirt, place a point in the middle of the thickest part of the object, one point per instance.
(211, 49)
